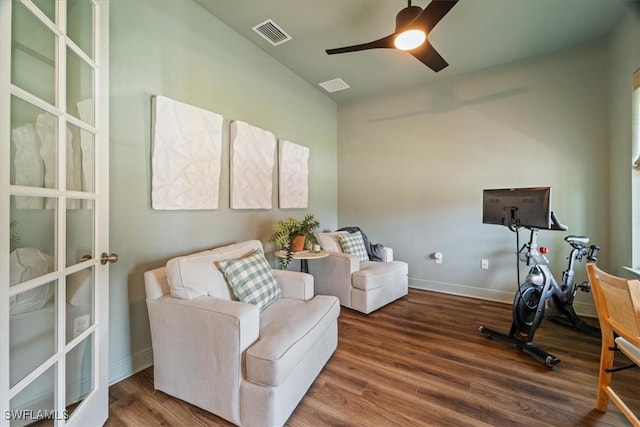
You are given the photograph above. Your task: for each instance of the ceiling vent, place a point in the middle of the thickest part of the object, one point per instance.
(271, 32)
(334, 85)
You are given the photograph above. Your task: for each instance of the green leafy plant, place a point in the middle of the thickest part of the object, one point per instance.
(284, 231)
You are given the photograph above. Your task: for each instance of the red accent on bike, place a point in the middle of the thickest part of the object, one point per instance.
(543, 250)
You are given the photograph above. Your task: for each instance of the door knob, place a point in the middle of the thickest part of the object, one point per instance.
(105, 258)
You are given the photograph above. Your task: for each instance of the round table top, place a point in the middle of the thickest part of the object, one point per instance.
(302, 254)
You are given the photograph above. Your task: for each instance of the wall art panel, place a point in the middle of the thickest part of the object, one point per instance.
(293, 175)
(252, 161)
(187, 153)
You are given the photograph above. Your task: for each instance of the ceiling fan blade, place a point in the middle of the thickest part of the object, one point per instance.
(383, 43)
(429, 57)
(433, 13)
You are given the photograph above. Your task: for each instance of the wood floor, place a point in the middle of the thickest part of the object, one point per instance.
(421, 361)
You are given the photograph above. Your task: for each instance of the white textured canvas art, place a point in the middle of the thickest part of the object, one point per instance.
(294, 175)
(187, 153)
(252, 161)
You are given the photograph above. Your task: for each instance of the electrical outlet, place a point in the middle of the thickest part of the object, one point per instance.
(484, 264)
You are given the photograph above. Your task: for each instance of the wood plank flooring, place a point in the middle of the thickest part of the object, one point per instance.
(419, 362)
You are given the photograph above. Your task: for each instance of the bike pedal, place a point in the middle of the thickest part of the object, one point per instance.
(585, 287)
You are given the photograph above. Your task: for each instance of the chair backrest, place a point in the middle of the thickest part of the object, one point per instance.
(155, 283)
(196, 275)
(329, 241)
(617, 302)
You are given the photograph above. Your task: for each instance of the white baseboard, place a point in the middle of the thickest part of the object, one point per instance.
(131, 365)
(587, 310)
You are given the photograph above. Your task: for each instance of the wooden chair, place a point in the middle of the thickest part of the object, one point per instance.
(618, 305)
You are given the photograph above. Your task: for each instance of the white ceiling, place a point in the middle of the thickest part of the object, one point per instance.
(475, 34)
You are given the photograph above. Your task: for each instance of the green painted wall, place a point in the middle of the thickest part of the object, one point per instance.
(176, 49)
(412, 167)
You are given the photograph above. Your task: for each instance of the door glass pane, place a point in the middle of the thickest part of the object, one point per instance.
(33, 54)
(34, 142)
(79, 373)
(79, 230)
(32, 238)
(79, 88)
(80, 288)
(80, 24)
(48, 7)
(32, 330)
(80, 160)
(36, 398)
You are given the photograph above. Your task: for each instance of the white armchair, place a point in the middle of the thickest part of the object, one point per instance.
(362, 286)
(225, 356)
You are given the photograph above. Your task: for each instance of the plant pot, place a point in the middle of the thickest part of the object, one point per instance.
(297, 244)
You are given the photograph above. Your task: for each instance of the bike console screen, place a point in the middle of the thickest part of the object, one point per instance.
(519, 207)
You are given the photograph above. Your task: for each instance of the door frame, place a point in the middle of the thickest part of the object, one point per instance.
(93, 410)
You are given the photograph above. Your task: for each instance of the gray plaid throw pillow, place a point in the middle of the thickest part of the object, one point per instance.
(353, 243)
(251, 279)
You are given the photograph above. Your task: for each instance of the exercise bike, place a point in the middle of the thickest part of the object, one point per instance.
(541, 289)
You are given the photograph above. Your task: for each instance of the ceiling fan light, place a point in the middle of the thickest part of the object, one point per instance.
(409, 39)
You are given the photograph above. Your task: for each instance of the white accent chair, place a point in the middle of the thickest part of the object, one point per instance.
(362, 286)
(225, 356)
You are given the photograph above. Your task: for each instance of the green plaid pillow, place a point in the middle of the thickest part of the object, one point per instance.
(353, 243)
(251, 279)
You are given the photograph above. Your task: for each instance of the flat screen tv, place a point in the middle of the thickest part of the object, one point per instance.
(517, 207)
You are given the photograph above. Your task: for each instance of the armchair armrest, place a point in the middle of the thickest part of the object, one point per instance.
(192, 318)
(332, 275)
(295, 285)
(387, 254)
(207, 332)
(344, 260)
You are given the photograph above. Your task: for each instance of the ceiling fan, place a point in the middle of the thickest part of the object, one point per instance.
(413, 25)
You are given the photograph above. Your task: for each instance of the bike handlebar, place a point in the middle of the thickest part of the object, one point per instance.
(556, 224)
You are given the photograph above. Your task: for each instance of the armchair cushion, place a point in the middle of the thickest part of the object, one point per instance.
(373, 274)
(251, 279)
(330, 241)
(288, 331)
(353, 243)
(196, 275)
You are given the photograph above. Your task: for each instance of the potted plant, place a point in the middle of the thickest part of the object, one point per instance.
(293, 235)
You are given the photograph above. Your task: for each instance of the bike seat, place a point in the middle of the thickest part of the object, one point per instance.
(577, 239)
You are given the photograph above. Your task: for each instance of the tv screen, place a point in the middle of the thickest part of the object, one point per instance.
(521, 207)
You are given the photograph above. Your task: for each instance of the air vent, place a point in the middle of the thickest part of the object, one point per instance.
(271, 32)
(334, 85)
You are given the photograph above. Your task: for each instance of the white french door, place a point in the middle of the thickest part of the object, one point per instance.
(54, 187)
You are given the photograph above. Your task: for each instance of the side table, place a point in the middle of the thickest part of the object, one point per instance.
(304, 257)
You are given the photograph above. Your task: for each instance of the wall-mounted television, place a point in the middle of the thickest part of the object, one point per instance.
(517, 207)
